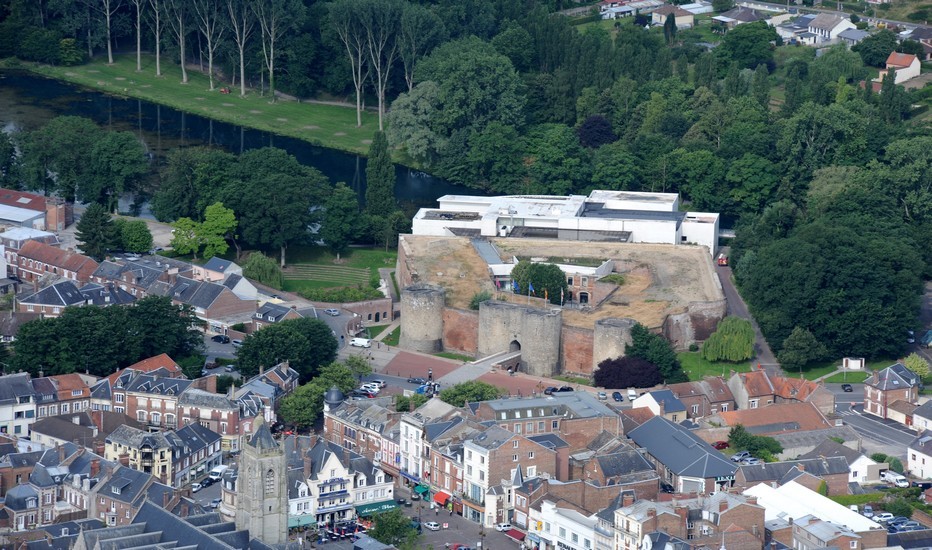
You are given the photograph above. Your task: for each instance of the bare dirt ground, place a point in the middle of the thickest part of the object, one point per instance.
(659, 279)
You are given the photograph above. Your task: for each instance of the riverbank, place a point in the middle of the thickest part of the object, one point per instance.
(324, 125)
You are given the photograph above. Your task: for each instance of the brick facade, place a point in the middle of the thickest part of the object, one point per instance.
(576, 350)
(460, 330)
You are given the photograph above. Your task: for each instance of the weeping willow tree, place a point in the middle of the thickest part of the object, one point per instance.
(732, 341)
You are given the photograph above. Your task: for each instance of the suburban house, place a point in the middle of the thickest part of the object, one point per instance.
(905, 65)
(861, 469)
(684, 19)
(923, 35)
(785, 506)
(269, 314)
(31, 210)
(37, 261)
(662, 403)
(853, 37)
(212, 302)
(141, 276)
(704, 397)
(922, 417)
(756, 389)
(885, 387)
(738, 15)
(616, 9)
(827, 27)
(682, 459)
(796, 31)
(14, 238)
(809, 473)
(216, 270)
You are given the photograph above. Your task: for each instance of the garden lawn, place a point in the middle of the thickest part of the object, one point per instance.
(851, 377)
(697, 368)
(315, 267)
(392, 339)
(331, 126)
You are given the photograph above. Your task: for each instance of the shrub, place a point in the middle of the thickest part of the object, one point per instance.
(879, 457)
(848, 500)
(478, 298)
(823, 488)
(895, 464)
(341, 295)
(899, 507)
(260, 267)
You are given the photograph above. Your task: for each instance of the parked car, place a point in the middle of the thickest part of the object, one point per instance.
(924, 485)
(215, 503)
(883, 517)
(911, 524)
(374, 388)
(221, 339)
(206, 482)
(751, 461)
(333, 312)
(196, 487)
(417, 380)
(415, 496)
(400, 501)
(432, 526)
(868, 511)
(740, 455)
(379, 383)
(897, 520)
(550, 389)
(230, 368)
(667, 488)
(503, 527)
(237, 343)
(616, 395)
(361, 343)
(602, 396)
(847, 388)
(363, 393)
(565, 388)
(719, 445)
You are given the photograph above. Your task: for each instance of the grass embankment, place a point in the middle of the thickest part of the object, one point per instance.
(314, 267)
(697, 368)
(331, 126)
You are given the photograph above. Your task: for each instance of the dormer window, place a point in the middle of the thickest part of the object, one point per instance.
(115, 490)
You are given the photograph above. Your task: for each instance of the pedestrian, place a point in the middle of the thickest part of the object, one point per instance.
(438, 511)
(379, 343)
(451, 512)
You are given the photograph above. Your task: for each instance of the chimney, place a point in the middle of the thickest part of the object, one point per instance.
(261, 369)
(651, 522)
(663, 408)
(752, 500)
(307, 466)
(875, 377)
(683, 512)
(99, 448)
(184, 509)
(41, 373)
(627, 499)
(165, 498)
(801, 467)
(95, 467)
(61, 453)
(722, 505)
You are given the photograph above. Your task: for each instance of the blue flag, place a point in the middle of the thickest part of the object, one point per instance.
(514, 285)
(530, 287)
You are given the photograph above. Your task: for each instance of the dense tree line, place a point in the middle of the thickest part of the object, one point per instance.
(100, 340)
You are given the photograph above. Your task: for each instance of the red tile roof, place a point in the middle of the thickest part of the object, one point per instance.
(71, 261)
(900, 60)
(21, 199)
(162, 361)
(794, 388)
(757, 383)
(806, 415)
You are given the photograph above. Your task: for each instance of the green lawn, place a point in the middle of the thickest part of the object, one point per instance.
(849, 377)
(573, 379)
(453, 356)
(375, 330)
(697, 368)
(326, 125)
(315, 267)
(392, 339)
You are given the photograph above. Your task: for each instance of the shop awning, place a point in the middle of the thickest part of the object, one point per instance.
(376, 507)
(301, 521)
(515, 534)
(441, 498)
(421, 489)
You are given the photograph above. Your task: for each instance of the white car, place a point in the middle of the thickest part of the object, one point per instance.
(333, 312)
(432, 526)
(379, 383)
(502, 527)
(196, 487)
(236, 343)
(883, 517)
(374, 388)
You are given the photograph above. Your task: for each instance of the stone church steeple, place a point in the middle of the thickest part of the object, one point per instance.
(261, 488)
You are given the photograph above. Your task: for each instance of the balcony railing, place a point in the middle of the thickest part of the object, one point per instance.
(472, 500)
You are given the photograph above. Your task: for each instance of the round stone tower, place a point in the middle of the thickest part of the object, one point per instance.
(422, 318)
(610, 338)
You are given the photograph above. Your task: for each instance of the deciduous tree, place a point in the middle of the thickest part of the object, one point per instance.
(135, 236)
(658, 351)
(305, 343)
(261, 268)
(420, 31)
(342, 222)
(733, 340)
(219, 225)
(242, 24)
(275, 18)
(305, 405)
(394, 528)
(627, 372)
(459, 394)
(917, 364)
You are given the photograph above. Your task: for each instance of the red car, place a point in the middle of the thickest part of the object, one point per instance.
(720, 445)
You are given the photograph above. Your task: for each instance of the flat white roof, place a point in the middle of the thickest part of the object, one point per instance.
(23, 233)
(19, 215)
(792, 500)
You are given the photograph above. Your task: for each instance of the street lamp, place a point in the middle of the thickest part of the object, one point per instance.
(482, 537)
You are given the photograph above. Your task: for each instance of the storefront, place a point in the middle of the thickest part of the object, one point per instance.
(373, 508)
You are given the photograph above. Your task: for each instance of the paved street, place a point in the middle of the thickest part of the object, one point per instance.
(879, 435)
(735, 306)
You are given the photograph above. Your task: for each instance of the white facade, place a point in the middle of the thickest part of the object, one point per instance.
(602, 216)
(476, 479)
(411, 445)
(919, 457)
(859, 470)
(792, 500)
(564, 528)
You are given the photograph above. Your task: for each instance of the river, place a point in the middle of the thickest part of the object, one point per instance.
(27, 102)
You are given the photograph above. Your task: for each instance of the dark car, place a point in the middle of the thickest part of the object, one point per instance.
(400, 501)
(206, 482)
(362, 393)
(221, 339)
(847, 388)
(616, 395)
(667, 488)
(924, 485)
(719, 445)
(897, 520)
(566, 388)
(417, 380)
(550, 390)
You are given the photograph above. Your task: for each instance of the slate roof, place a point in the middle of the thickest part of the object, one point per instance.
(773, 471)
(61, 294)
(124, 484)
(17, 497)
(853, 34)
(894, 377)
(145, 383)
(232, 280)
(549, 440)
(829, 448)
(924, 410)
(825, 21)
(578, 404)
(199, 294)
(218, 264)
(105, 295)
(14, 386)
(681, 451)
(272, 313)
(200, 398)
(63, 429)
(922, 443)
(670, 402)
(492, 438)
(740, 13)
(263, 439)
(624, 463)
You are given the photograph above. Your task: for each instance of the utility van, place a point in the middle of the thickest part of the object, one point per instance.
(217, 472)
(361, 343)
(894, 478)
